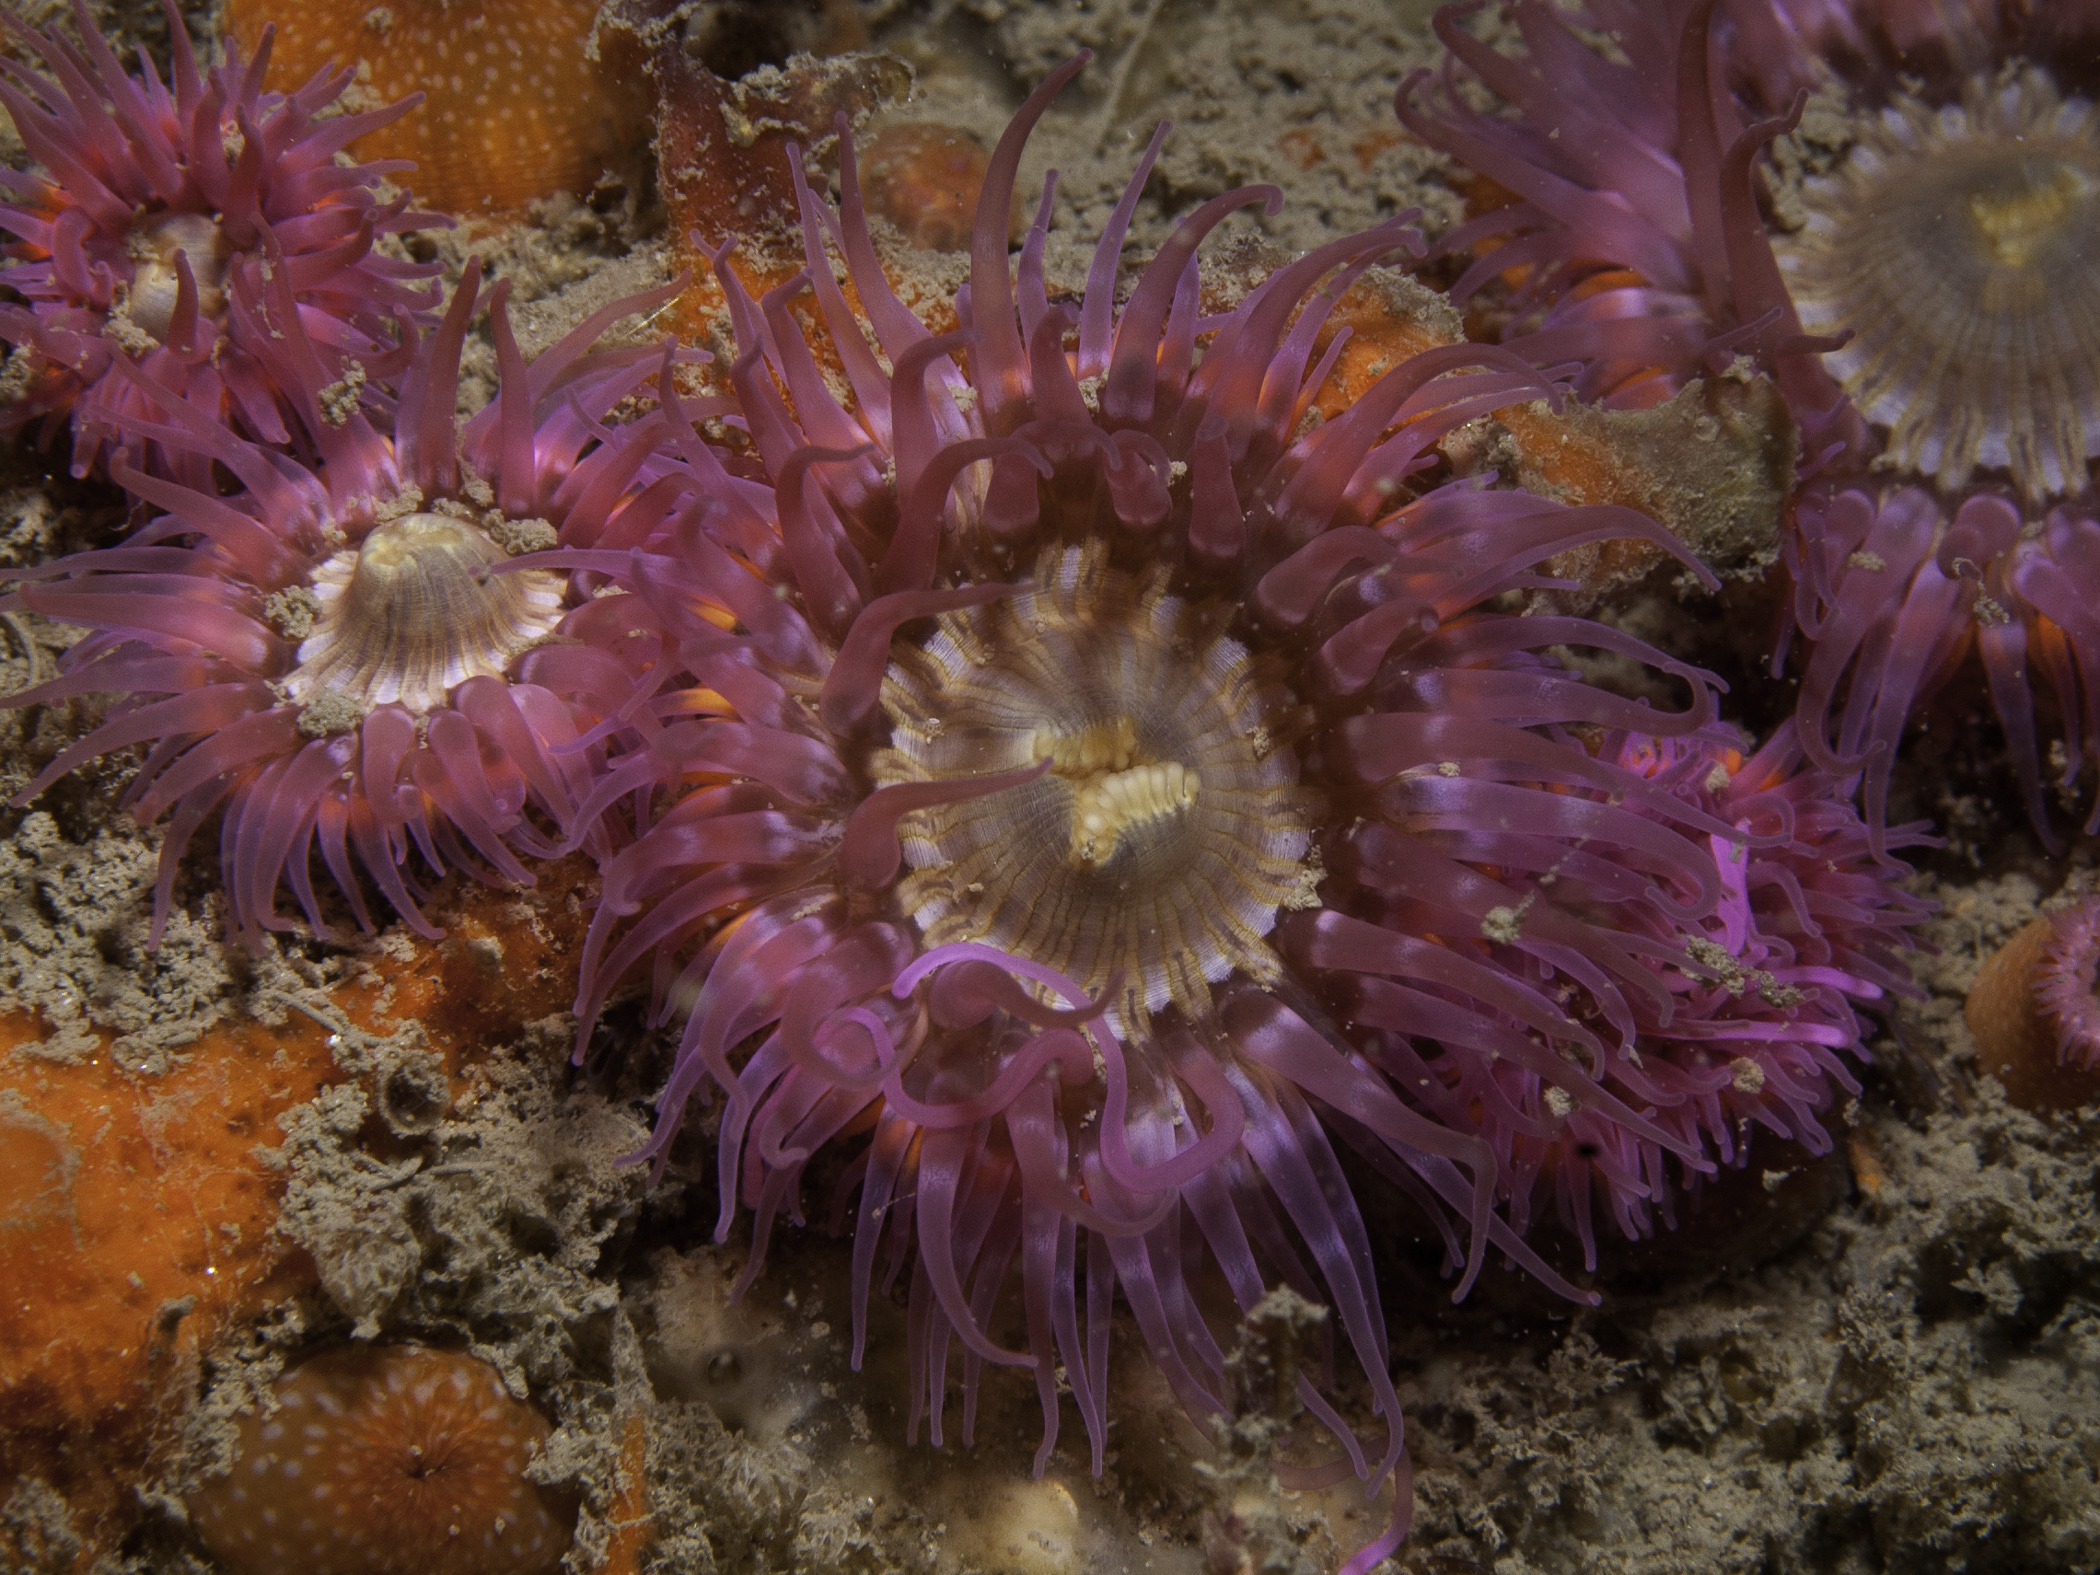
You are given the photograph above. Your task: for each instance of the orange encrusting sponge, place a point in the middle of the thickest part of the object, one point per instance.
(135, 1226)
(512, 111)
(137, 1209)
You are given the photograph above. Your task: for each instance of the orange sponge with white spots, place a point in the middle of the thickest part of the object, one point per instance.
(515, 105)
(390, 1460)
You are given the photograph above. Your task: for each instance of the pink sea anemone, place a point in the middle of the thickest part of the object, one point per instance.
(2064, 984)
(1635, 236)
(1042, 783)
(1924, 286)
(1896, 596)
(1761, 1011)
(151, 200)
(342, 657)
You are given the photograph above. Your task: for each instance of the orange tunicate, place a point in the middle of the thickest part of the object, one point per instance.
(380, 1459)
(514, 110)
(1714, 465)
(1391, 317)
(630, 1519)
(726, 152)
(135, 1228)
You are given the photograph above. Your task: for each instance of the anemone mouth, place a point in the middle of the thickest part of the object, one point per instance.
(410, 612)
(156, 280)
(1960, 245)
(1167, 826)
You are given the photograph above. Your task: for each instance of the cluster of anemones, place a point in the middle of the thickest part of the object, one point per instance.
(1036, 751)
(1929, 303)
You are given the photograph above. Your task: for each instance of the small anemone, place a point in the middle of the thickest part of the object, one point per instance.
(2033, 1011)
(151, 199)
(2064, 984)
(347, 658)
(1762, 997)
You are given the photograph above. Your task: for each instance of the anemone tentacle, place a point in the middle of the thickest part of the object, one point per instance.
(1635, 227)
(1765, 986)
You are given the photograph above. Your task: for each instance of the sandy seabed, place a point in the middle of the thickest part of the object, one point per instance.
(1886, 1360)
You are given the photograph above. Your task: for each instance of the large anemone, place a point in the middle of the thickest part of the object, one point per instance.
(1085, 785)
(343, 658)
(1921, 277)
(152, 198)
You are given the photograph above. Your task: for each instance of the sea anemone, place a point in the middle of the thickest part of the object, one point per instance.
(1757, 1024)
(1929, 301)
(1975, 345)
(153, 198)
(2065, 987)
(1634, 241)
(374, 1459)
(1974, 361)
(2033, 1012)
(1082, 734)
(342, 656)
